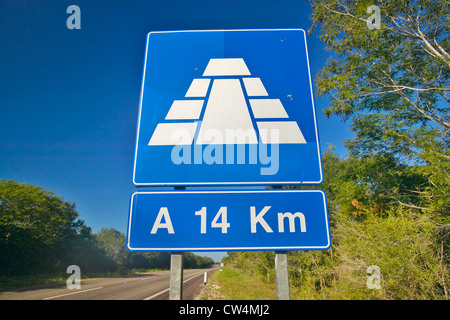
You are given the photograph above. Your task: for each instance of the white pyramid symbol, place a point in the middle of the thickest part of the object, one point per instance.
(226, 118)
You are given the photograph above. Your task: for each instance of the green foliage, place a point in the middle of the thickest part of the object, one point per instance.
(389, 199)
(40, 233)
(260, 264)
(369, 226)
(191, 260)
(401, 245)
(113, 243)
(242, 284)
(394, 84)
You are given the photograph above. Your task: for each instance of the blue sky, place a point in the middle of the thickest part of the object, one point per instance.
(69, 99)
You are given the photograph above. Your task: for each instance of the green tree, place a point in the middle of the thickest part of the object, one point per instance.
(389, 199)
(39, 231)
(367, 228)
(191, 261)
(113, 242)
(393, 83)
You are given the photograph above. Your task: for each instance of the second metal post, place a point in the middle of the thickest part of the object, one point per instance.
(282, 275)
(176, 276)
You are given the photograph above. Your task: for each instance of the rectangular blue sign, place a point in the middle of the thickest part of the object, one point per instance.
(227, 107)
(228, 220)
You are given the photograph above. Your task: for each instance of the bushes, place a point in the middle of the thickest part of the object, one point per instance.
(369, 227)
(406, 247)
(401, 245)
(41, 233)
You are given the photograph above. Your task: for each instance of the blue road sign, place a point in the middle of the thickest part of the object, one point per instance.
(228, 220)
(227, 107)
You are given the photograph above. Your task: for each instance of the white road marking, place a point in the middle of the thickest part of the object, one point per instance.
(165, 290)
(71, 293)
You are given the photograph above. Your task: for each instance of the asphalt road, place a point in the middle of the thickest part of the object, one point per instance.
(145, 286)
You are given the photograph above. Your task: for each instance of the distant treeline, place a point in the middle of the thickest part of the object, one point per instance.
(40, 233)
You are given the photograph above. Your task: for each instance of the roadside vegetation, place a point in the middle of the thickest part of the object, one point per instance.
(410, 248)
(41, 235)
(388, 198)
(230, 283)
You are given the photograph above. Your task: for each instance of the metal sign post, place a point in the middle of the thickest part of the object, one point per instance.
(227, 108)
(176, 271)
(282, 275)
(176, 276)
(281, 270)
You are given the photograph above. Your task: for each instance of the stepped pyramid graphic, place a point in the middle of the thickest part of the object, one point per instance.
(226, 118)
